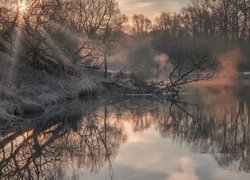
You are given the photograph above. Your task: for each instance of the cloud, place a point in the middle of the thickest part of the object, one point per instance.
(151, 8)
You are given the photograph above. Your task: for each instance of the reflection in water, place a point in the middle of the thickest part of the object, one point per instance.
(31, 153)
(188, 168)
(86, 136)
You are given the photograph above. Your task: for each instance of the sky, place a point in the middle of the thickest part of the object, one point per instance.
(150, 8)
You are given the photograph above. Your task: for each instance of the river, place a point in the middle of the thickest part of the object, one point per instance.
(203, 135)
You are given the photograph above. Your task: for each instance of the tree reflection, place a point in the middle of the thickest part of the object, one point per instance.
(217, 124)
(90, 135)
(36, 152)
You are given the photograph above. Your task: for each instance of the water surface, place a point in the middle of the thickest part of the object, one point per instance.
(204, 135)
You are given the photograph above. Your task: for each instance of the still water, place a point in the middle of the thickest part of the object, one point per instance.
(204, 135)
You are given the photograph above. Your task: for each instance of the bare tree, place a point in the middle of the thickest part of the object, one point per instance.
(141, 23)
(190, 65)
(45, 23)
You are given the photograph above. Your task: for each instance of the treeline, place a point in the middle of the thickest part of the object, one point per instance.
(220, 19)
(62, 35)
(216, 26)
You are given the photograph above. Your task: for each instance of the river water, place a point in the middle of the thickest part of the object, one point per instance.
(204, 135)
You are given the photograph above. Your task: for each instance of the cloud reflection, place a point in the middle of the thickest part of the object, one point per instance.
(187, 167)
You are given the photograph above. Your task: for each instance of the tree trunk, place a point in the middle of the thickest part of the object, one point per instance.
(105, 65)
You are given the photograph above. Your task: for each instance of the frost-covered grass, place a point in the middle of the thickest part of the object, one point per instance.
(24, 89)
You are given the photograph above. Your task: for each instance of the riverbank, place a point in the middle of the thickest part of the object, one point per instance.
(26, 90)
